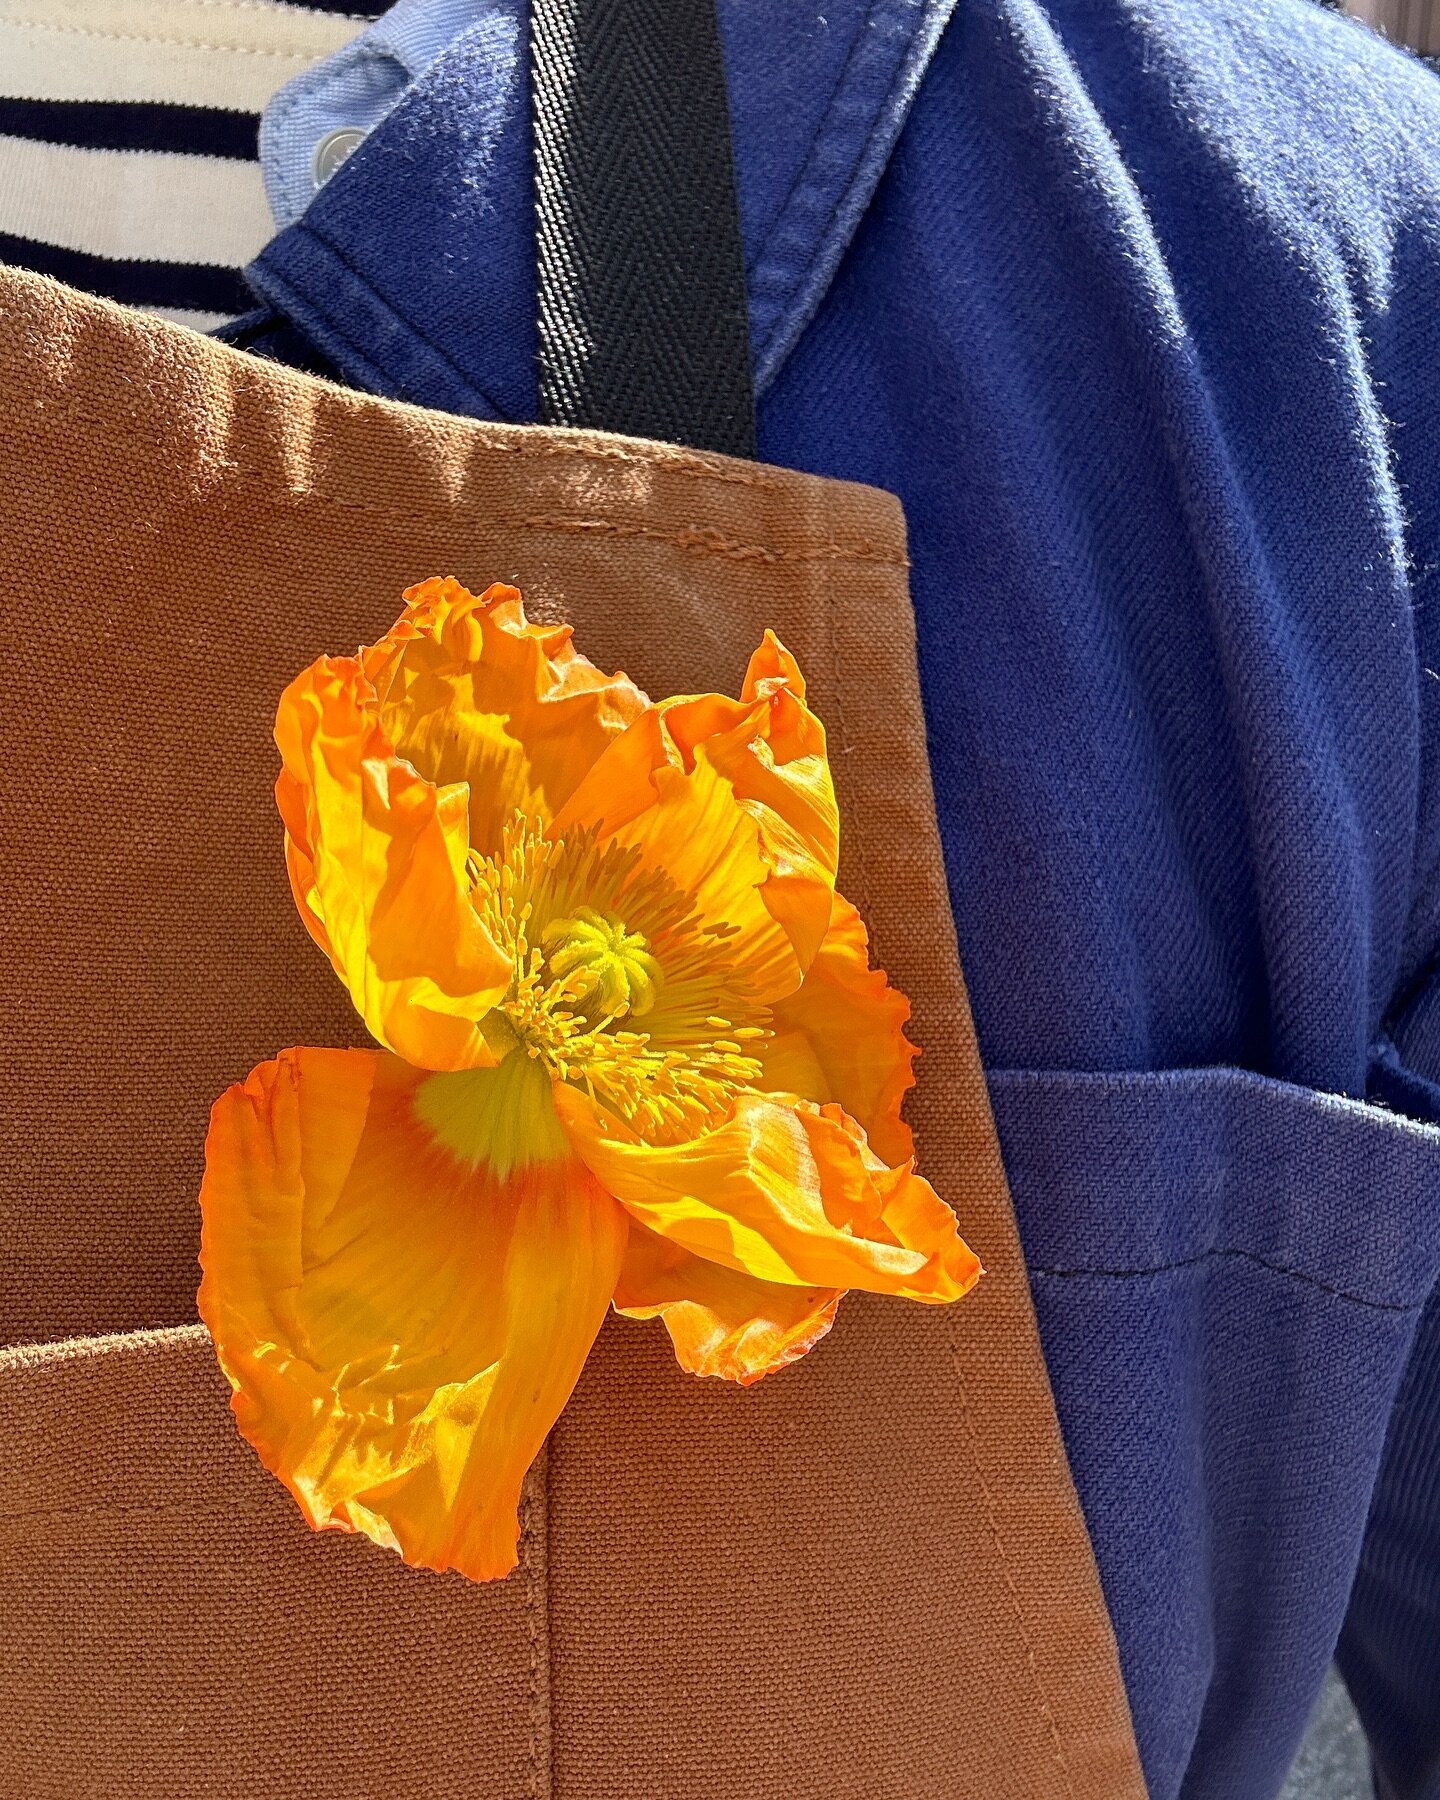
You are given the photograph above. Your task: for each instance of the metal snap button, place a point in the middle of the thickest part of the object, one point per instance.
(332, 150)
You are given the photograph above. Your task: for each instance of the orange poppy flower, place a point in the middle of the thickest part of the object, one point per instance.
(631, 1053)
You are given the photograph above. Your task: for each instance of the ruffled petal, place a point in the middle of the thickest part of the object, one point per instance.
(784, 1190)
(471, 692)
(400, 1328)
(720, 1321)
(771, 749)
(733, 799)
(841, 1037)
(377, 858)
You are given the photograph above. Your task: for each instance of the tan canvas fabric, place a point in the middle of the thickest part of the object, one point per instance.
(867, 1576)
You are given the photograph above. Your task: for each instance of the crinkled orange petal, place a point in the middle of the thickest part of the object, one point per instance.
(783, 1190)
(720, 1321)
(399, 762)
(733, 799)
(690, 824)
(377, 859)
(841, 1037)
(400, 1328)
(771, 749)
(471, 691)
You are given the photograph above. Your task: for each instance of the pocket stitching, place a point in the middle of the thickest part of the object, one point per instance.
(1220, 1250)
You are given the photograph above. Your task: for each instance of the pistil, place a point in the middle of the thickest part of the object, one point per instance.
(592, 941)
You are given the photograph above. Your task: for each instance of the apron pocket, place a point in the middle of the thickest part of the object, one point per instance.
(173, 1628)
(1227, 1274)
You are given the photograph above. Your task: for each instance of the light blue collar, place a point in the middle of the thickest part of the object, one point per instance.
(412, 266)
(348, 93)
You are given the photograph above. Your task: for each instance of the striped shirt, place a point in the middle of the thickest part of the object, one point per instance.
(128, 134)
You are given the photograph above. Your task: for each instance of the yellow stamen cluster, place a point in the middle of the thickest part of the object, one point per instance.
(567, 911)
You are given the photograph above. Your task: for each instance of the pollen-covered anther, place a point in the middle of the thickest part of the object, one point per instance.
(585, 979)
(603, 965)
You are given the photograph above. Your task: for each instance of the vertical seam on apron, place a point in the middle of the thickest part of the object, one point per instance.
(991, 1519)
(535, 1558)
(862, 872)
(993, 1524)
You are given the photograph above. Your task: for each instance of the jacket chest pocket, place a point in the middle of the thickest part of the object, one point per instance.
(1228, 1271)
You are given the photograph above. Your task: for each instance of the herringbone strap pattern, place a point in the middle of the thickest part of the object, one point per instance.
(640, 270)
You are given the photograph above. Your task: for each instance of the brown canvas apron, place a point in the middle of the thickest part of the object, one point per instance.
(866, 1577)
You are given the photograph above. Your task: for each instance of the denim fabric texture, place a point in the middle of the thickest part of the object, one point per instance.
(1136, 306)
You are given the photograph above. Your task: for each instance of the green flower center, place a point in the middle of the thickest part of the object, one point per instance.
(607, 970)
(665, 1051)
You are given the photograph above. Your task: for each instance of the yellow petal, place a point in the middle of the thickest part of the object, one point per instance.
(783, 1190)
(720, 1321)
(841, 1037)
(771, 749)
(400, 1328)
(471, 692)
(689, 823)
(733, 799)
(377, 858)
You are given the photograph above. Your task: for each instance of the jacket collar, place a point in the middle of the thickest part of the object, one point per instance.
(413, 268)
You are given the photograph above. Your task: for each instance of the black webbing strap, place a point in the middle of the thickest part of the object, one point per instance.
(640, 271)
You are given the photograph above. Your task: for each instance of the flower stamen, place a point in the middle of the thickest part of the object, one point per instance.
(566, 913)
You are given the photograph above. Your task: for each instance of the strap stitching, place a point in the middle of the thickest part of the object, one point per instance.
(684, 468)
(993, 1523)
(698, 539)
(536, 1561)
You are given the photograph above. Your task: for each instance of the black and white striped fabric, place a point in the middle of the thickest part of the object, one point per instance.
(128, 130)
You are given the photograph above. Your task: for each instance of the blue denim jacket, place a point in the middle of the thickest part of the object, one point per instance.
(1136, 305)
